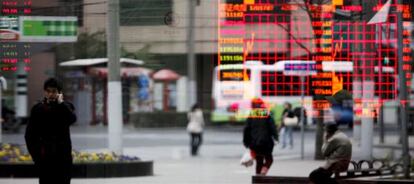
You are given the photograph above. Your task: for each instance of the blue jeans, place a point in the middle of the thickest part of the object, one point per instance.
(287, 133)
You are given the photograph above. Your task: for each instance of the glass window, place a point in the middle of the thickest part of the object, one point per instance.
(144, 12)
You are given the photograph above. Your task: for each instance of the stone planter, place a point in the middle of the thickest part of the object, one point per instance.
(84, 170)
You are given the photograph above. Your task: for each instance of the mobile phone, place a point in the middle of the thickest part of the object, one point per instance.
(60, 98)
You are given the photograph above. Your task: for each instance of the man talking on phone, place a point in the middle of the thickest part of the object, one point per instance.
(48, 135)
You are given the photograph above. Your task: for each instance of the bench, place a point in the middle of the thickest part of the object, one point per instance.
(363, 168)
(305, 180)
(392, 147)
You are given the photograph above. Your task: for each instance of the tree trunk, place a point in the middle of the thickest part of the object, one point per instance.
(319, 137)
(319, 119)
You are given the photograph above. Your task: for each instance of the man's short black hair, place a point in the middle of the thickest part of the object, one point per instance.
(53, 83)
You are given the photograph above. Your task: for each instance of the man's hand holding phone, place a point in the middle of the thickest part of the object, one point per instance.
(60, 98)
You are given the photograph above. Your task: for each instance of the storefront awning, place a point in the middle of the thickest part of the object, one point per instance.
(125, 72)
(96, 61)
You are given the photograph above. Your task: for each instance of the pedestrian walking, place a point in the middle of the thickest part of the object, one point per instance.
(297, 111)
(48, 136)
(8, 118)
(337, 147)
(260, 135)
(289, 121)
(195, 128)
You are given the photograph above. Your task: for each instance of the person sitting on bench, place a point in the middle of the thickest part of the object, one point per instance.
(337, 147)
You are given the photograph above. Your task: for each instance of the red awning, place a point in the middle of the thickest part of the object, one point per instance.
(125, 72)
(165, 75)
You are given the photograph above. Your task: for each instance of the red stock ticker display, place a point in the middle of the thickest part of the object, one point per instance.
(12, 52)
(346, 51)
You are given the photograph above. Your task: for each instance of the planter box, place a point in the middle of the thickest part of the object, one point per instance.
(83, 170)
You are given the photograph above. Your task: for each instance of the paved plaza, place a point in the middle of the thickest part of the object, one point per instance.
(168, 148)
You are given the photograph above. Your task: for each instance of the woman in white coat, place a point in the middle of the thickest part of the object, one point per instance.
(195, 128)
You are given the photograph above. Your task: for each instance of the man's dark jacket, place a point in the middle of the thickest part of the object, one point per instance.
(259, 134)
(48, 140)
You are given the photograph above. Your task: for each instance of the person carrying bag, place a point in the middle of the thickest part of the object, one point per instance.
(260, 136)
(289, 120)
(195, 128)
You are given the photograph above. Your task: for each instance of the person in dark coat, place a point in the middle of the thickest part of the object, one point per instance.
(48, 136)
(259, 136)
(7, 116)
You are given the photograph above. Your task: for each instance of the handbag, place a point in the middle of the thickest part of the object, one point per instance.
(290, 121)
(247, 159)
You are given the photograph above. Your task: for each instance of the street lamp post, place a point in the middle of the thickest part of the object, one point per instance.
(2, 84)
(115, 123)
(402, 95)
(1, 115)
(302, 118)
(191, 64)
